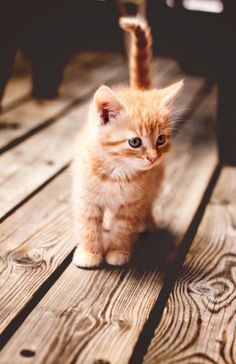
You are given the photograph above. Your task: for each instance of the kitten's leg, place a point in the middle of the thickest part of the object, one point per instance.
(121, 238)
(107, 220)
(88, 232)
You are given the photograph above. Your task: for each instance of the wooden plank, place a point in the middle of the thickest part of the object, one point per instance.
(226, 77)
(199, 321)
(33, 242)
(92, 315)
(195, 128)
(51, 149)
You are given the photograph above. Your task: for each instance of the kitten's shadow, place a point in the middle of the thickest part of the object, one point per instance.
(155, 250)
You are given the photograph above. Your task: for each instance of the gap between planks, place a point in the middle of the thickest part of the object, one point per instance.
(88, 315)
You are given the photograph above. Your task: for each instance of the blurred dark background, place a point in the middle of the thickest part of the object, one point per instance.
(49, 32)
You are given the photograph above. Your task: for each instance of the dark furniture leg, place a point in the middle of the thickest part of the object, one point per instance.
(227, 115)
(227, 88)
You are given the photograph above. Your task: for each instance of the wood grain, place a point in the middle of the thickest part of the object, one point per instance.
(33, 242)
(199, 321)
(36, 160)
(89, 316)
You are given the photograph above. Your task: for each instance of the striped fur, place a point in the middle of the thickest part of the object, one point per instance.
(140, 51)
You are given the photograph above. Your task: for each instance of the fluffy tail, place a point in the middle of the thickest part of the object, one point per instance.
(140, 51)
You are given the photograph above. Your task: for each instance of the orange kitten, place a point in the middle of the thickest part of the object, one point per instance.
(119, 160)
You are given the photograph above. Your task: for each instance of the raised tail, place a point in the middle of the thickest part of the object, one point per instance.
(140, 51)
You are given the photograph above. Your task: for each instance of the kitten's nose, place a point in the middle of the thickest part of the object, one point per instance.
(152, 155)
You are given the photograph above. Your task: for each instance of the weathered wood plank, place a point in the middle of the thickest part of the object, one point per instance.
(199, 320)
(51, 149)
(33, 242)
(78, 83)
(91, 315)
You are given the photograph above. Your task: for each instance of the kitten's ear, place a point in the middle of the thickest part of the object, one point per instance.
(170, 93)
(107, 105)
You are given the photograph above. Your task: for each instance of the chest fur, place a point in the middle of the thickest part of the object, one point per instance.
(115, 194)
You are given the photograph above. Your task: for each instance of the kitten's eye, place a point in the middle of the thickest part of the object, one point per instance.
(135, 142)
(161, 140)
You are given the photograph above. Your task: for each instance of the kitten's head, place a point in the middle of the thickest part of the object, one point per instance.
(133, 127)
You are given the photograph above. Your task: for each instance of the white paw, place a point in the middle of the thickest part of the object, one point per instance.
(85, 259)
(116, 257)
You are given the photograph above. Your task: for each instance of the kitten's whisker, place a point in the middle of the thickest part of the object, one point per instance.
(181, 110)
(178, 117)
(175, 128)
(179, 132)
(177, 121)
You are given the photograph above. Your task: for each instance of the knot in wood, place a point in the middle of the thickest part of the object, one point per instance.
(23, 260)
(122, 323)
(216, 294)
(27, 353)
(27, 261)
(101, 361)
(199, 289)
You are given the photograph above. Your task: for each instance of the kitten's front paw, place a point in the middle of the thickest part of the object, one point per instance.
(117, 257)
(86, 259)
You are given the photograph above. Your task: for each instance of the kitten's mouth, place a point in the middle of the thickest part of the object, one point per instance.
(153, 164)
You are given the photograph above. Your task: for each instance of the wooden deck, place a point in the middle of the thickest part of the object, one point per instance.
(176, 302)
